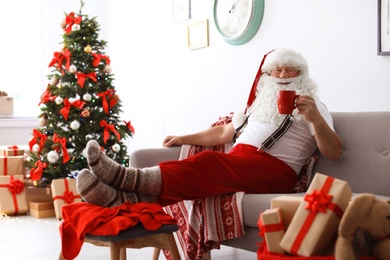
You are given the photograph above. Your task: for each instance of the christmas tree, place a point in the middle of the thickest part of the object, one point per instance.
(79, 104)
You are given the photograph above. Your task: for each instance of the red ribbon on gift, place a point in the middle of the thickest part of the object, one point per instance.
(15, 187)
(81, 78)
(37, 136)
(318, 201)
(59, 58)
(68, 195)
(15, 148)
(62, 142)
(71, 19)
(108, 127)
(108, 95)
(36, 173)
(97, 58)
(67, 105)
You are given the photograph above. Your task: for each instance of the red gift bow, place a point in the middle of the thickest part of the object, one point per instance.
(37, 135)
(12, 147)
(70, 20)
(62, 142)
(107, 127)
(318, 201)
(67, 104)
(129, 126)
(15, 187)
(59, 57)
(36, 173)
(108, 94)
(68, 195)
(81, 77)
(97, 57)
(46, 97)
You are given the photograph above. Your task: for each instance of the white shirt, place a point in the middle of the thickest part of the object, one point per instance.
(294, 147)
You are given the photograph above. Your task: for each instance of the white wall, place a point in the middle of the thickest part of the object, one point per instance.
(167, 89)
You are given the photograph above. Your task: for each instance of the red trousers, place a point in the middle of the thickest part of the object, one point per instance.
(214, 173)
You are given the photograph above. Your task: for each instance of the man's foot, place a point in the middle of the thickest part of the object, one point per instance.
(109, 171)
(92, 190)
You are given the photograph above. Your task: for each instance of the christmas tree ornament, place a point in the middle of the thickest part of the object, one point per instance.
(87, 97)
(116, 148)
(85, 113)
(42, 121)
(36, 148)
(88, 49)
(54, 81)
(59, 100)
(75, 27)
(63, 24)
(59, 85)
(53, 157)
(75, 125)
(107, 69)
(72, 69)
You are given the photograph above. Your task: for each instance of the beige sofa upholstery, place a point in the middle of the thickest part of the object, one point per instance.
(364, 164)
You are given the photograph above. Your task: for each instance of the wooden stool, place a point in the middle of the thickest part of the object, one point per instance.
(138, 237)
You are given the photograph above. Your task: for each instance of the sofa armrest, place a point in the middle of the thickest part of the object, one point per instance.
(149, 157)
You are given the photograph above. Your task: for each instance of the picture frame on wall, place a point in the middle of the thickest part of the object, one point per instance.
(198, 35)
(180, 10)
(383, 27)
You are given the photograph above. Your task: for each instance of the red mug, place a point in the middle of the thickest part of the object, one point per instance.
(286, 101)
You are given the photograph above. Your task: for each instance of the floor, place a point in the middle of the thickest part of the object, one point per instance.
(28, 238)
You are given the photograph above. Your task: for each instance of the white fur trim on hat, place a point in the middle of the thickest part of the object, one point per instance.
(285, 57)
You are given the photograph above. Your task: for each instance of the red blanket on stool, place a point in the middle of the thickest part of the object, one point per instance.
(81, 218)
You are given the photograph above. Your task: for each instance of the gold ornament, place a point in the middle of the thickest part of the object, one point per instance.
(88, 48)
(85, 113)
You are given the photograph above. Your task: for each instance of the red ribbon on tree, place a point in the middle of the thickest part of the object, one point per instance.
(36, 173)
(71, 19)
(46, 97)
(15, 187)
(97, 58)
(62, 142)
(318, 201)
(81, 78)
(37, 137)
(68, 195)
(59, 58)
(107, 128)
(129, 126)
(67, 105)
(108, 95)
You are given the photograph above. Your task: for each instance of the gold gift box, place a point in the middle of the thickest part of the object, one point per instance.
(6, 105)
(42, 209)
(272, 225)
(64, 192)
(12, 203)
(11, 151)
(315, 223)
(288, 206)
(12, 165)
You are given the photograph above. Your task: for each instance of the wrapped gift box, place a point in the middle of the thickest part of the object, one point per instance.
(6, 105)
(273, 228)
(12, 195)
(12, 165)
(317, 218)
(42, 209)
(288, 206)
(64, 192)
(12, 150)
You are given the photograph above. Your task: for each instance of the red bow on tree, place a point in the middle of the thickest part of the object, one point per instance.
(37, 137)
(81, 78)
(129, 126)
(36, 173)
(46, 97)
(108, 127)
(108, 95)
(97, 57)
(67, 105)
(59, 57)
(70, 20)
(62, 142)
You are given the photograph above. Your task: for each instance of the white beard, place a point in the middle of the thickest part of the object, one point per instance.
(265, 107)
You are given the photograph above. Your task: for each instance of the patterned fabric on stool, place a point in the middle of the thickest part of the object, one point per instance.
(138, 237)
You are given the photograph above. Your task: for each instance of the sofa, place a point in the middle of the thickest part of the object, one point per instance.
(364, 164)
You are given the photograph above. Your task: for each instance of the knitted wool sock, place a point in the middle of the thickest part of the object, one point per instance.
(92, 190)
(146, 181)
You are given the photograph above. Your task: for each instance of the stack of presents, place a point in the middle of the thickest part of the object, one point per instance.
(19, 195)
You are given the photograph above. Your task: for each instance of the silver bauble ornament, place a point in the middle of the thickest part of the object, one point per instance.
(116, 148)
(75, 125)
(53, 157)
(87, 97)
(59, 100)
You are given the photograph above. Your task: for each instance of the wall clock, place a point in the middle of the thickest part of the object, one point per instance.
(238, 20)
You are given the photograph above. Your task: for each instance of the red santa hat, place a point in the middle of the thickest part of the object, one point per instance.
(278, 58)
